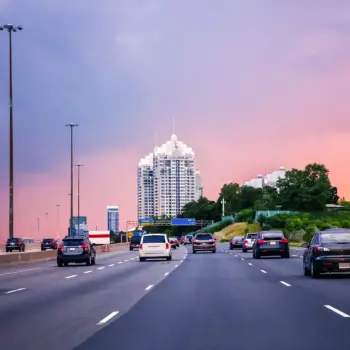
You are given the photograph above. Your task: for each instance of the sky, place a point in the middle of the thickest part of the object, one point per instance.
(252, 85)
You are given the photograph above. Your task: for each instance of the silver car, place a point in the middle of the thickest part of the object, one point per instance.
(248, 241)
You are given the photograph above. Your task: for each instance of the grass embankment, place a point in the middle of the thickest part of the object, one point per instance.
(237, 229)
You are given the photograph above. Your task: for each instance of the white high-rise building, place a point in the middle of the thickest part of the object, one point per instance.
(268, 179)
(167, 180)
(199, 188)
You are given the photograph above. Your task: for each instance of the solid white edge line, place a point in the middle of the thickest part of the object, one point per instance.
(341, 313)
(263, 271)
(15, 290)
(106, 319)
(166, 274)
(286, 284)
(88, 271)
(72, 276)
(149, 287)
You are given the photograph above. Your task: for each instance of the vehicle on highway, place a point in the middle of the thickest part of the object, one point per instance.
(48, 243)
(28, 241)
(182, 240)
(328, 251)
(135, 242)
(248, 241)
(270, 243)
(15, 244)
(76, 250)
(154, 246)
(188, 239)
(203, 242)
(236, 242)
(174, 242)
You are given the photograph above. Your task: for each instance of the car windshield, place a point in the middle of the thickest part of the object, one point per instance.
(153, 239)
(72, 242)
(251, 235)
(335, 237)
(203, 237)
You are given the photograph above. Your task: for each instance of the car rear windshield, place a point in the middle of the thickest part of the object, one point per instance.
(238, 238)
(272, 236)
(47, 240)
(251, 235)
(13, 240)
(72, 242)
(335, 237)
(135, 239)
(203, 237)
(153, 239)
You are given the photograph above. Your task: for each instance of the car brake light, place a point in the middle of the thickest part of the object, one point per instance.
(60, 246)
(284, 240)
(129, 242)
(166, 245)
(246, 241)
(321, 249)
(42, 242)
(140, 246)
(261, 241)
(213, 240)
(85, 246)
(52, 242)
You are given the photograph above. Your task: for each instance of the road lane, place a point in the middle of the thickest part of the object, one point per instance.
(219, 302)
(72, 309)
(333, 289)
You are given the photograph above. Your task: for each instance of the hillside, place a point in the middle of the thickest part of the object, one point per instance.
(237, 229)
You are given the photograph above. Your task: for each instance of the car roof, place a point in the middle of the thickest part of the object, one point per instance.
(335, 230)
(271, 232)
(156, 234)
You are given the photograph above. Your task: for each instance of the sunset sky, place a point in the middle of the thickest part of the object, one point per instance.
(252, 85)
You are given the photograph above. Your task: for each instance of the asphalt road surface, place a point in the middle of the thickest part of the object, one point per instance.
(203, 301)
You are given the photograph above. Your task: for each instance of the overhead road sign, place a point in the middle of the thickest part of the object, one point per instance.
(183, 222)
(146, 222)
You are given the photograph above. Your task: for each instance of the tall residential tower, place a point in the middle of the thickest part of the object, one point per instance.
(113, 218)
(167, 180)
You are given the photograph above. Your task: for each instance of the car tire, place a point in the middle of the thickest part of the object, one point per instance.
(214, 251)
(257, 255)
(244, 250)
(131, 249)
(306, 270)
(314, 272)
(93, 260)
(65, 264)
(286, 255)
(193, 251)
(88, 262)
(169, 258)
(142, 259)
(59, 263)
(7, 250)
(231, 248)
(23, 249)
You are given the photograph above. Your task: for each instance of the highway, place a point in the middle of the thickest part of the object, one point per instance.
(196, 301)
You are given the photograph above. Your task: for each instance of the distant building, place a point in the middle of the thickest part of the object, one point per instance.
(268, 179)
(199, 187)
(167, 180)
(113, 218)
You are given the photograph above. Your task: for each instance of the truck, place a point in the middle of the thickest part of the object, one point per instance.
(100, 237)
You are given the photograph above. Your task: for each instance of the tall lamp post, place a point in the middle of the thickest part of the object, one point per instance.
(58, 221)
(71, 126)
(38, 219)
(11, 29)
(79, 166)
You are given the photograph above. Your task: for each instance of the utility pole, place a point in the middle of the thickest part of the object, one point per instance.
(71, 126)
(58, 221)
(223, 206)
(79, 166)
(11, 29)
(38, 219)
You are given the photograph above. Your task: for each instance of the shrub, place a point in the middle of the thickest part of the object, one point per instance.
(296, 236)
(309, 232)
(278, 220)
(267, 227)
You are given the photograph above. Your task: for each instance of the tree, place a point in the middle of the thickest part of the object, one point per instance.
(231, 193)
(307, 190)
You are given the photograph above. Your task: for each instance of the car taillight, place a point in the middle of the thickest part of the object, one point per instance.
(246, 241)
(284, 240)
(140, 246)
(213, 240)
(321, 249)
(42, 242)
(52, 242)
(261, 241)
(60, 246)
(194, 241)
(166, 245)
(129, 242)
(85, 246)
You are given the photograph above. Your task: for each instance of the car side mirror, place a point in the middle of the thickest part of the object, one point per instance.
(305, 245)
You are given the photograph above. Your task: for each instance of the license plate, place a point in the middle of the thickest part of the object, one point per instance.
(136, 245)
(71, 249)
(344, 265)
(272, 243)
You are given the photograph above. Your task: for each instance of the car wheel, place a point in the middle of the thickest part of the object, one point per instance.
(175, 247)
(93, 261)
(65, 264)
(214, 251)
(314, 272)
(244, 250)
(306, 270)
(169, 258)
(23, 249)
(286, 255)
(131, 249)
(88, 262)
(142, 259)
(257, 255)
(59, 263)
(193, 251)
(231, 248)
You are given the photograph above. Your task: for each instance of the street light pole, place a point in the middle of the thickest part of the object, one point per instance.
(72, 126)
(11, 28)
(79, 166)
(38, 219)
(223, 206)
(58, 221)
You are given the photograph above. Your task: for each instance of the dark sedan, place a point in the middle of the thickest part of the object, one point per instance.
(328, 251)
(15, 244)
(270, 243)
(236, 242)
(48, 243)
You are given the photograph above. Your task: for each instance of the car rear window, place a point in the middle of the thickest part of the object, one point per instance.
(335, 237)
(251, 235)
(135, 239)
(237, 238)
(153, 239)
(272, 236)
(203, 237)
(48, 240)
(13, 240)
(72, 242)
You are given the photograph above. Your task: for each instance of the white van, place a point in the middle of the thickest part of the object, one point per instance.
(153, 246)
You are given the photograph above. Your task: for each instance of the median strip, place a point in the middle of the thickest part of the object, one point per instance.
(106, 319)
(341, 313)
(15, 290)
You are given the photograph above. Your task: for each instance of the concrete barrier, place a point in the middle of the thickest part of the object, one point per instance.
(28, 247)
(27, 257)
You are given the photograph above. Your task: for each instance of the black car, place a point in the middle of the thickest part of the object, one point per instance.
(75, 250)
(15, 244)
(270, 243)
(328, 251)
(135, 242)
(48, 243)
(236, 242)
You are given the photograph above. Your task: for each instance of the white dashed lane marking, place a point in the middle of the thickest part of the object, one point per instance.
(286, 284)
(100, 268)
(149, 287)
(110, 316)
(263, 271)
(341, 313)
(166, 274)
(15, 290)
(88, 271)
(250, 264)
(68, 277)
(111, 265)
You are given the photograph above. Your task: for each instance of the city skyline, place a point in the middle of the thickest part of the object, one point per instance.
(256, 88)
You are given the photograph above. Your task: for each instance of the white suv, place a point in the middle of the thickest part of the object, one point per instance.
(153, 246)
(248, 241)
